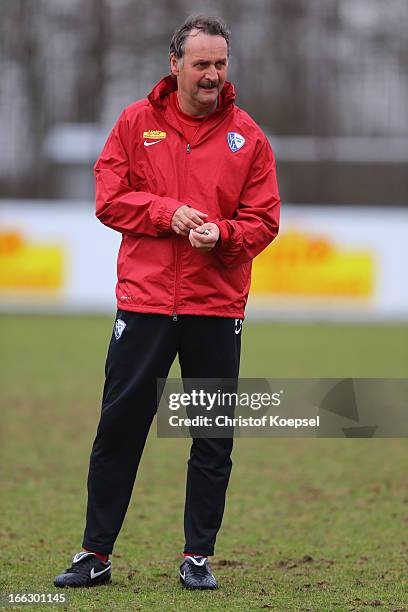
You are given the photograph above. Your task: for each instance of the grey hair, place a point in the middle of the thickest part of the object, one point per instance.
(208, 25)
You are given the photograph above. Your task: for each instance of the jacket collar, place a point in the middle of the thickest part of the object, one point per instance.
(159, 96)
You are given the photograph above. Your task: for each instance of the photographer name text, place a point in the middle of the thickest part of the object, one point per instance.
(240, 421)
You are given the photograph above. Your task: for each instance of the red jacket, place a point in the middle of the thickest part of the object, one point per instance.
(147, 170)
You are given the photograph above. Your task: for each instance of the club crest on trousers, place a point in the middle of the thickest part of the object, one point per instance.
(119, 327)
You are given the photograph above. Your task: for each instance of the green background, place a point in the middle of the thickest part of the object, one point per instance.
(316, 524)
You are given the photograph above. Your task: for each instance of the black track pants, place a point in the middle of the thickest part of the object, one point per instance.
(208, 347)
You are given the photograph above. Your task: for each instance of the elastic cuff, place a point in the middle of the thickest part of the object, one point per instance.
(167, 210)
(203, 553)
(97, 548)
(224, 232)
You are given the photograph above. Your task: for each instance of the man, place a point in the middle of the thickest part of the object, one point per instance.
(188, 178)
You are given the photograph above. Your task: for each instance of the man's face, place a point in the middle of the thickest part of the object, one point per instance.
(201, 73)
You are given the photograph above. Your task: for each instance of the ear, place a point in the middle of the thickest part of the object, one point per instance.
(174, 65)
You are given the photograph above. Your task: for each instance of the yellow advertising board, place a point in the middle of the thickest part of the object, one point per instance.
(327, 263)
(302, 264)
(29, 266)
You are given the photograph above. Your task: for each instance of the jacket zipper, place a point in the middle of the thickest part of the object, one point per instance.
(178, 262)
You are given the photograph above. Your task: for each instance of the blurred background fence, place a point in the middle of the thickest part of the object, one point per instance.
(326, 79)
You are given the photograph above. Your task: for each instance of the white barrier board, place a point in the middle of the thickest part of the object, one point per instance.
(327, 262)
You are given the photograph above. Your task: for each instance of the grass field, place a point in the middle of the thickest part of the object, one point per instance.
(315, 525)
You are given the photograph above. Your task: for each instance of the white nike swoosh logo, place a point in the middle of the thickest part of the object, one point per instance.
(182, 575)
(96, 574)
(149, 144)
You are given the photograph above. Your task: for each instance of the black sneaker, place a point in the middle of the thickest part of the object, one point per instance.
(86, 570)
(195, 573)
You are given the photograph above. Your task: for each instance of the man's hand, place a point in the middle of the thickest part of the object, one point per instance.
(185, 219)
(204, 238)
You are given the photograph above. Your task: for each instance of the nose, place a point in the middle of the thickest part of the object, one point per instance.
(211, 74)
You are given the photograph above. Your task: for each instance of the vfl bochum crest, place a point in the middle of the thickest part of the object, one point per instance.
(235, 141)
(119, 327)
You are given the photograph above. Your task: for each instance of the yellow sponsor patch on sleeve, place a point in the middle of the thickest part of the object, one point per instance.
(154, 134)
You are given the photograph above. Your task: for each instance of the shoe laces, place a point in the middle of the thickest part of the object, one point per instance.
(80, 566)
(199, 570)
